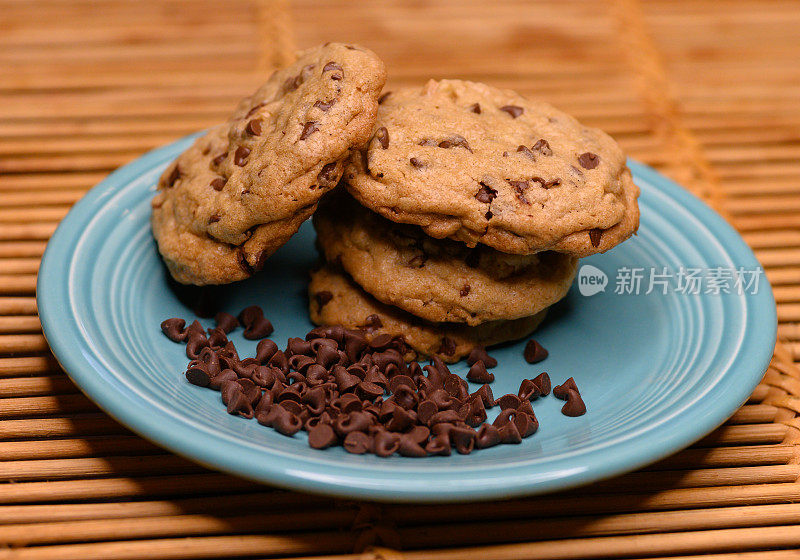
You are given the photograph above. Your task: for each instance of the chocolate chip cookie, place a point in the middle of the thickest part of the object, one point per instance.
(437, 279)
(244, 188)
(481, 165)
(334, 299)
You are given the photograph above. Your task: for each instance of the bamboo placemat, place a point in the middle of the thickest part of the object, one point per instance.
(705, 91)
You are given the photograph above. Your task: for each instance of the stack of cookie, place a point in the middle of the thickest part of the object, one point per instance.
(465, 216)
(460, 219)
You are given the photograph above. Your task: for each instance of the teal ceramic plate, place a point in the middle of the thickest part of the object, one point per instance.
(657, 370)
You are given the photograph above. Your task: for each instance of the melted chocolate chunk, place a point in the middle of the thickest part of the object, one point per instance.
(594, 236)
(382, 136)
(240, 156)
(308, 129)
(513, 110)
(485, 194)
(588, 160)
(253, 127)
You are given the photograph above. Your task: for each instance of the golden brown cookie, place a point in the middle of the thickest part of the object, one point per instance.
(245, 187)
(439, 280)
(481, 165)
(334, 299)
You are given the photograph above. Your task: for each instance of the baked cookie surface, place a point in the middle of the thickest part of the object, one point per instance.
(481, 165)
(437, 280)
(245, 187)
(334, 299)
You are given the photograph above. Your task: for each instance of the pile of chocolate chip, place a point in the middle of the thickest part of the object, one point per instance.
(345, 390)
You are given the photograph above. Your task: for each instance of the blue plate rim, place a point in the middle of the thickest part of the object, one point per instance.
(753, 356)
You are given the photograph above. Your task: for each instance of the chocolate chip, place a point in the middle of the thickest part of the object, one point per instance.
(534, 352)
(526, 424)
(464, 291)
(328, 177)
(357, 443)
(213, 218)
(240, 156)
(381, 342)
(400, 380)
(382, 136)
(368, 390)
(509, 433)
(463, 439)
(528, 390)
(219, 380)
(408, 447)
(595, 235)
(322, 436)
(512, 110)
(542, 382)
(455, 141)
(372, 323)
(324, 105)
(385, 444)
(543, 147)
(588, 160)
(280, 361)
(455, 386)
(219, 159)
(174, 329)
(475, 108)
(444, 416)
(352, 422)
(260, 328)
(308, 129)
(485, 194)
(173, 176)
(416, 163)
(479, 353)
(562, 391)
(524, 150)
(218, 184)
(401, 419)
(338, 73)
(574, 405)
(253, 127)
(323, 298)
(194, 345)
(383, 97)
(226, 321)
(447, 347)
(519, 190)
(478, 374)
(475, 413)
(544, 183)
(439, 445)
(198, 375)
(488, 436)
(285, 422)
(525, 408)
(509, 401)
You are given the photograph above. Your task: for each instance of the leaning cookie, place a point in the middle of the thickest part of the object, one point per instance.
(437, 280)
(245, 187)
(334, 299)
(481, 165)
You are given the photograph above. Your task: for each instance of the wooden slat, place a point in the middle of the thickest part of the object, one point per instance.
(89, 85)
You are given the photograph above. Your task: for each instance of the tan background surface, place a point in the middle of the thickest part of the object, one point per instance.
(705, 91)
